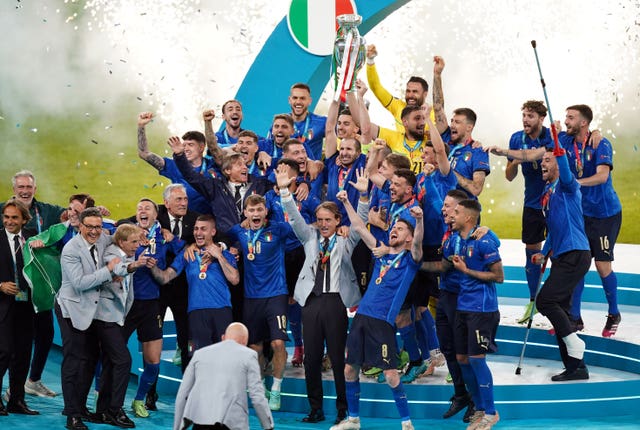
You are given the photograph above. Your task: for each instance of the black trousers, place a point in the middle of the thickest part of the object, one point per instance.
(175, 296)
(445, 323)
(324, 319)
(79, 358)
(16, 336)
(42, 341)
(554, 298)
(116, 365)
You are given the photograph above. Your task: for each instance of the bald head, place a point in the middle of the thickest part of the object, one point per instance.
(238, 332)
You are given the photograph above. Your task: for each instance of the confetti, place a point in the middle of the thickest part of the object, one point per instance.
(34, 130)
(94, 141)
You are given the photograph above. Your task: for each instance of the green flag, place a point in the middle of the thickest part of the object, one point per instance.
(42, 267)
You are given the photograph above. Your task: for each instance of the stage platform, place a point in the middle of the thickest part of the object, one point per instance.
(614, 364)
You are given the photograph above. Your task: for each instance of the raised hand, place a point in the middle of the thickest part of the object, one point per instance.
(362, 181)
(372, 52)
(144, 118)
(176, 145)
(416, 212)
(282, 176)
(208, 115)
(438, 65)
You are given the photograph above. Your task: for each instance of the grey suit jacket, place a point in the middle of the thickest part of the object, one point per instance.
(215, 384)
(343, 277)
(81, 280)
(116, 297)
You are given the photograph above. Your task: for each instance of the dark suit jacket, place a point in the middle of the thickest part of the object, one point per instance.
(216, 192)
(7, 273)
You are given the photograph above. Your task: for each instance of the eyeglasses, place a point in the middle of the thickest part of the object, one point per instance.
(92, 227)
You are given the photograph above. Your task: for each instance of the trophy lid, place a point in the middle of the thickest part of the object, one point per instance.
(349, 19)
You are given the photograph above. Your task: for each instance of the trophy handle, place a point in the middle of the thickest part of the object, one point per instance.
(344, 67)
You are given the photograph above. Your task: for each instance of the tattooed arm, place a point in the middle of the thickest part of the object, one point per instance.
(143, 147)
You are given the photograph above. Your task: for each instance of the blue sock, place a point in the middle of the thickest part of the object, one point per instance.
(472, 384)
(532, 272)
(148, 377)
(410, 343)
(485, 383)
(430, 327)
(295, 323)
(576, 300)
(610, 285)
(402, 404)
(353, 398)
(423, 338)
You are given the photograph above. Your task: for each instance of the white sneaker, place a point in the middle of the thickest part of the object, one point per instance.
(347, 424)
(37, 388)
(407, 425)
(488, 421)
(437, 357)
(475, 419)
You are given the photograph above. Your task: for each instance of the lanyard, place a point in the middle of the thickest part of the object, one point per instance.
(38, 219)
(389, 264)
(396, 209)
(534, 163)
(458, 146)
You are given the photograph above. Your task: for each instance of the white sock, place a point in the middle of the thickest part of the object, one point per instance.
(575, 346)
(277, 382)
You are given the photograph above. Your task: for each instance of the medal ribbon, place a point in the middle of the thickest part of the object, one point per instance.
(325, 253)
(342, 176)
(546, 197)
(251, 243)
(579, 152)
(385, 267)
(203, 267)
(302, 135)
(409, 148)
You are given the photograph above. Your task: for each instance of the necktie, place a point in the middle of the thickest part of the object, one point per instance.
(17, 246)
(93, 255)
(176, 227)
(238, 198)
(320, 272)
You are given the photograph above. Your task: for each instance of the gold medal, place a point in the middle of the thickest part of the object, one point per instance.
(251, 257)
(202, 275)
(378, 281)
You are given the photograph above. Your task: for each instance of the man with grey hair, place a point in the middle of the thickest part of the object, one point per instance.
(43, 216)
(213, 392)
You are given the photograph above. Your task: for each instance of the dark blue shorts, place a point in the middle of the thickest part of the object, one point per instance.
(266, 318)
(425, 284)
(206, 326)
(475, 332)
(534, 226)
(602, 234)
(144, 318)
(372, 341)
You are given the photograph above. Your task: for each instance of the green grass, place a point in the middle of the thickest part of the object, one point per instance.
(66, 160)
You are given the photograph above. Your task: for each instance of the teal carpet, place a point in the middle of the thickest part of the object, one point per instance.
(50, 417)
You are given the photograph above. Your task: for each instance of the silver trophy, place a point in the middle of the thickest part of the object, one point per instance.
(349, 53)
